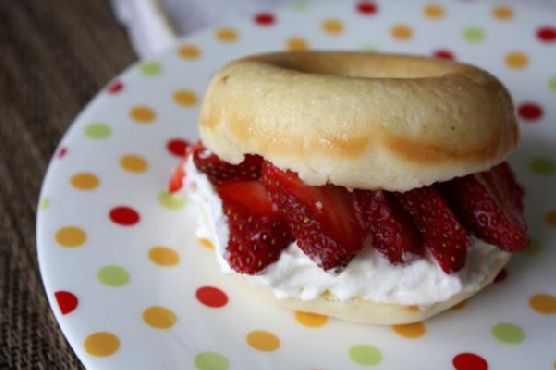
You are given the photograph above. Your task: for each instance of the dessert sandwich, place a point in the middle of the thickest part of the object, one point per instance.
(369, 187)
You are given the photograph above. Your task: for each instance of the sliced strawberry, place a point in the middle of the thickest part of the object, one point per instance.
(176, 181)
(219, 171)
(322, 218)
(444, 236)
(258, 232)
(394, 233)
(491, 204)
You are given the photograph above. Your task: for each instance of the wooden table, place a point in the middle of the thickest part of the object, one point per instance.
(54, 57)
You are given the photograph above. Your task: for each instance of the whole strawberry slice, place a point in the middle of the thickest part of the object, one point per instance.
(444, 236)
(491, 204)
(258, 232)
(322, 218)
(219, 171)
(394, 233)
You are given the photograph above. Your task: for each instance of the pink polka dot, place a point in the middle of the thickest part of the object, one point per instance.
(115, 87)
(265, 19)
(67, 301)
(211, 296)
(502, 275)
(367, 7)
(177, 147)
(61, 152)
(546, 34)
(530, 111)
(124, 216)
(443, 54)
(469, 361)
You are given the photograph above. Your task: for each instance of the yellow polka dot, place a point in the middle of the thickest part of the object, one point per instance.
(551, 218)
(434, 11)
(460, 306)
(159, 317)
(133, 163)
(516, 60)
(70, 236)
(101, 344)
(84, 181)
(502, 12)
(185, 97)
(414, 330)
(311, 320)
(332, 26)
(164, 256)
(401, 32)
(226, 34)
(142, 114)
(189, 52)
(263, 341)
(206, 243)
(296, 43)
(543, 303)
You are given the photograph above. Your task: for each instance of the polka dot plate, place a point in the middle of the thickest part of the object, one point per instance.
(133, 289)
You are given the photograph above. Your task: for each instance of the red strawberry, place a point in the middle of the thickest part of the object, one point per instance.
(176, 181)
(491, 204)
(444, 235)
(394, 233)
(258, 232)
(322, 218)
(219, 171)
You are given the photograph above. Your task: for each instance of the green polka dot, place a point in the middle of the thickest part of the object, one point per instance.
(44, 203)
(299, 5)
(113, 275)
(508, 333)
(367, 47)
(365, 355)
(534, 247)
(211, 361)
(473, 34)
(552, 84)
(98, 131)
(171, 201)
(543, 166)
(150, 68)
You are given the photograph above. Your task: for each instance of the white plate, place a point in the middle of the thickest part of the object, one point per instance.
(109, 270)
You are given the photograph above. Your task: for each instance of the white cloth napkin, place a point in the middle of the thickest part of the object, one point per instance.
(154, 25)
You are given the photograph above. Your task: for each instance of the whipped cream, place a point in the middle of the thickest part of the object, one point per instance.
(369, 275)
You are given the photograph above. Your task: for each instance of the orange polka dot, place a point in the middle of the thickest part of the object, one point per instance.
(133, 163)
(142, 114)
(189, 52)
(164, 256)
(551, 218)
(434, 11)
(332, 26)
(159, 317)
(516, 60)
(101, 344)
(401, 32)
(502, 12)
(543, 303)
(311, 320)
(263, 341)
(70, 236)
(296, 43)
(185, 97)
(206, 243)
(226, 34)
(460, 306)
(84, 181)
(414, 330)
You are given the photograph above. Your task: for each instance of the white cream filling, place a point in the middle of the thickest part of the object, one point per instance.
(368, 275)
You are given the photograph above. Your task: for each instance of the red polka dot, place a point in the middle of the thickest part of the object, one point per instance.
(502, 275)
(124, 216)
(62, 152)
(366, 7)
(530, 111)
(546, 33)
(469, 361)
(115, 87)
(177, 147)
(265, 19)
(443, 54)
(67, 301)
(211, 296)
